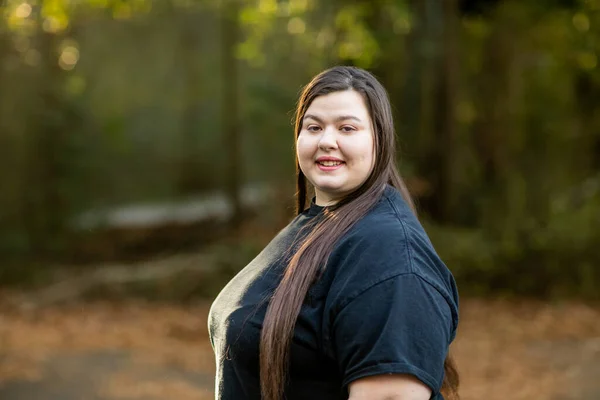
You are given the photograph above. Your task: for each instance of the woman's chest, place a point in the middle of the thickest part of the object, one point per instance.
(238, 316)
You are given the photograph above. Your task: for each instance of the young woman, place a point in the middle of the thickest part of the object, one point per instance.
(350, 300)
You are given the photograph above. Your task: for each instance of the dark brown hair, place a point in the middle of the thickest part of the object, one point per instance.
(312, 254)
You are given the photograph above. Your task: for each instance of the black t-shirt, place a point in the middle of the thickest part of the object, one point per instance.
(385, 304)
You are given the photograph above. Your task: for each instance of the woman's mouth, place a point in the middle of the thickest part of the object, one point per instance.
(329, 165)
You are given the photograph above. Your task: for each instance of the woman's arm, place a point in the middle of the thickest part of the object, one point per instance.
(389, 387)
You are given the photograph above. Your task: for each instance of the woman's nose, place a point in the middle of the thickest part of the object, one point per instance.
(328, 139)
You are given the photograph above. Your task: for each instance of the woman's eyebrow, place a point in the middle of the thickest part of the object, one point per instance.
(337, 119)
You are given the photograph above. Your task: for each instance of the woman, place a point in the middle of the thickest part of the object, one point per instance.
(350, 300)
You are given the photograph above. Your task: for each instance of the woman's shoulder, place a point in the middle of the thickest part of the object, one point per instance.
(388, 242)
(389, 223)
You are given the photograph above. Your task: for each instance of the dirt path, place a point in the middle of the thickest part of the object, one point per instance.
(139, 351)
(103, 351)
(105, 374)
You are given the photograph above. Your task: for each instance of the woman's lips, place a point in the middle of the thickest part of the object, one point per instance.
(328, 168)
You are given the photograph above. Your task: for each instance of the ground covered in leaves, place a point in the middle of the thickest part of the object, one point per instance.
(134, 350)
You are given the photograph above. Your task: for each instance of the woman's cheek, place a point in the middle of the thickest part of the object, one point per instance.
(304, 148)
(299, 147)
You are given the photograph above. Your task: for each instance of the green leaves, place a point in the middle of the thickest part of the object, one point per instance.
(356, 42)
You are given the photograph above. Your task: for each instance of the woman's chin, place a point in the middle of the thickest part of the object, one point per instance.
(329, 191)
(328, 187)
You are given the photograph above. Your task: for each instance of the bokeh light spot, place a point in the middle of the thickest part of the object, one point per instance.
(53, 25)
(267, 6)
(298, 6)
(68, 58)
(581, 22)
(23, 10)
(325, 38)
(296, 26)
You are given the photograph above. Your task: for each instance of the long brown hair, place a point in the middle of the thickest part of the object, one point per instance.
(312, 254)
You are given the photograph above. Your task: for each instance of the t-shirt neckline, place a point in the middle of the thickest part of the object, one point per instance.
(315, 209)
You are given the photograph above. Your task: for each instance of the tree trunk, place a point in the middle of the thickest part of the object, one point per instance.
(587, 91)
(445, 120)
(230, 32)
(424, 105)
(46, 207)
(190, 179)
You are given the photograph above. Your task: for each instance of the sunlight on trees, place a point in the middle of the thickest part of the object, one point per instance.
(112, 101)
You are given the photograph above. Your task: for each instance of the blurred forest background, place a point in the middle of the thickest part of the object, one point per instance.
(146, 147)
(119, 118)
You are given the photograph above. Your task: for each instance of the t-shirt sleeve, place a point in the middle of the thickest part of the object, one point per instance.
(400, 325)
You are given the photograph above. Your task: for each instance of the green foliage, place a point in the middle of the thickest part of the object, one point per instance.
(105, 102)
(552, 258)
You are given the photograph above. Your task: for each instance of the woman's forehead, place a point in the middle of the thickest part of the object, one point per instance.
(335, 104)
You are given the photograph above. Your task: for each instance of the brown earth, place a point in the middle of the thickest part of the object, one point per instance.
(134, 350)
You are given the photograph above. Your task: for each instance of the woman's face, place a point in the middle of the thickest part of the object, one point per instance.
(335, 147)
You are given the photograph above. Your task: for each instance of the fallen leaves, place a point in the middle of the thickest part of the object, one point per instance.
(504, 350)
(498, 353)
(128, 387)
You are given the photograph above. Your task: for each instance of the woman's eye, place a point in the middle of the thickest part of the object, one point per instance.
(312, 128)
(347, 128)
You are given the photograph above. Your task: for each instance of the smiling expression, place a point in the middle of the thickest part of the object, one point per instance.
(335, 146)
